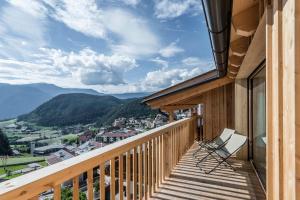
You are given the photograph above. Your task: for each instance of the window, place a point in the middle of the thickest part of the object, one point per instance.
(258, 122)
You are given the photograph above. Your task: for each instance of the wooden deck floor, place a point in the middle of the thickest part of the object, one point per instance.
(188, 182)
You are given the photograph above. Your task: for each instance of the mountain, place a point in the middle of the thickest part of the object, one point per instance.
(16, 100)
(54, 90)
(70, 109)
(128, 108)
(131, 95)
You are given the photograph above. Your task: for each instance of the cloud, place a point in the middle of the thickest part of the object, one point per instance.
(166, 77)
(16, 41)
(86, 65)
(133, 35)
(160, 62)
(197, 62)
(80, 15)
(171, 50)
(125, 32)
(91, 67)
(168, 9)
(101, 77)
(33, 8)
(131, 2)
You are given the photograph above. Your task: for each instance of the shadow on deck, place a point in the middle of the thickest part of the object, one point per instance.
(188, 182)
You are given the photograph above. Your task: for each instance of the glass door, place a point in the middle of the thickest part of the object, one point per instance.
(258, 122)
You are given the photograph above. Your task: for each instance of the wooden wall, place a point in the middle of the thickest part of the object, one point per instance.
(218, 110)
(241, 113)
(283, 88)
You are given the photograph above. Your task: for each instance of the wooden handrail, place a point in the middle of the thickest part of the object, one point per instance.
(33, 184)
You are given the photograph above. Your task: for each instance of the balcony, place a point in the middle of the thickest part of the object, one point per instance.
(157, 164)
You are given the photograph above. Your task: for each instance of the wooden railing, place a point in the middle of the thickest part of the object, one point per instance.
(141, 162)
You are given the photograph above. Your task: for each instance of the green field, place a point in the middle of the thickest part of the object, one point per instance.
(23, 160)
(17, 167)
(6, 123)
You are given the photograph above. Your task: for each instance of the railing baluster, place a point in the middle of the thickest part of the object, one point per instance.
(180, 140)
(128, 176)
(164, 164)
(112, 179)
(157, 162)
(146, 171)
(102, 181)
(57, 192)
(121, 177)
(177, 146)
(153, 166)
(76, 188)
(160, 159)
(134, 173)
(174, 147)
(140, 165)
(90, 187)
(149, 168)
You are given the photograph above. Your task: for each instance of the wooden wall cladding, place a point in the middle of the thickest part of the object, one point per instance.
(218, 110)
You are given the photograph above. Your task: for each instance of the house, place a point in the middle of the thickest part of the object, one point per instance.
(16, 152)
(46, 150)
(61, 155)
(88, 146)
(254, 89)
(86, 136)
(120, 122)
(114, 136)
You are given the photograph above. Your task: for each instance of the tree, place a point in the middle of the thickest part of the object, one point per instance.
(67, 194)
(5, 149)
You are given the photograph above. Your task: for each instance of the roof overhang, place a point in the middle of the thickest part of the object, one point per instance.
(187, 98)
(203, 78)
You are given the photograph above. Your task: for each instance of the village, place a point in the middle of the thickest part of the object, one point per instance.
(35, 147)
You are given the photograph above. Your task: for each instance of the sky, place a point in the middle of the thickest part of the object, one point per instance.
(112, 46)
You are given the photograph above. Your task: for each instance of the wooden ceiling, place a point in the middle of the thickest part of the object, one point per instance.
(246, 15)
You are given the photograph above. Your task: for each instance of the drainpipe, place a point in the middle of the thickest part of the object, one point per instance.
(218, 20)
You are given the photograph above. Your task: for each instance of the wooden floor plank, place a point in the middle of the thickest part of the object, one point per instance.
(188, 182)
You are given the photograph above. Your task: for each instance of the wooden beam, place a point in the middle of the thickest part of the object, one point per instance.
(233, 68)
(230, 76)
(245, 22)
(240, 46)
(235, 61)
(177, 107)
(256, 52)
(230, 73)
(189, 93)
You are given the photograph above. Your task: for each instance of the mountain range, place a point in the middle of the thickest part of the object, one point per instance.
(71, 109)
(17, 100)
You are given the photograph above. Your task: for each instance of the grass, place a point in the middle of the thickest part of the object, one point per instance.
(17, 167)
(7, 122)
(12, 168)
(23, 160)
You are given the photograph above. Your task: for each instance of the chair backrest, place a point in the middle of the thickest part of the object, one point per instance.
(225, 136)
(235, 142)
